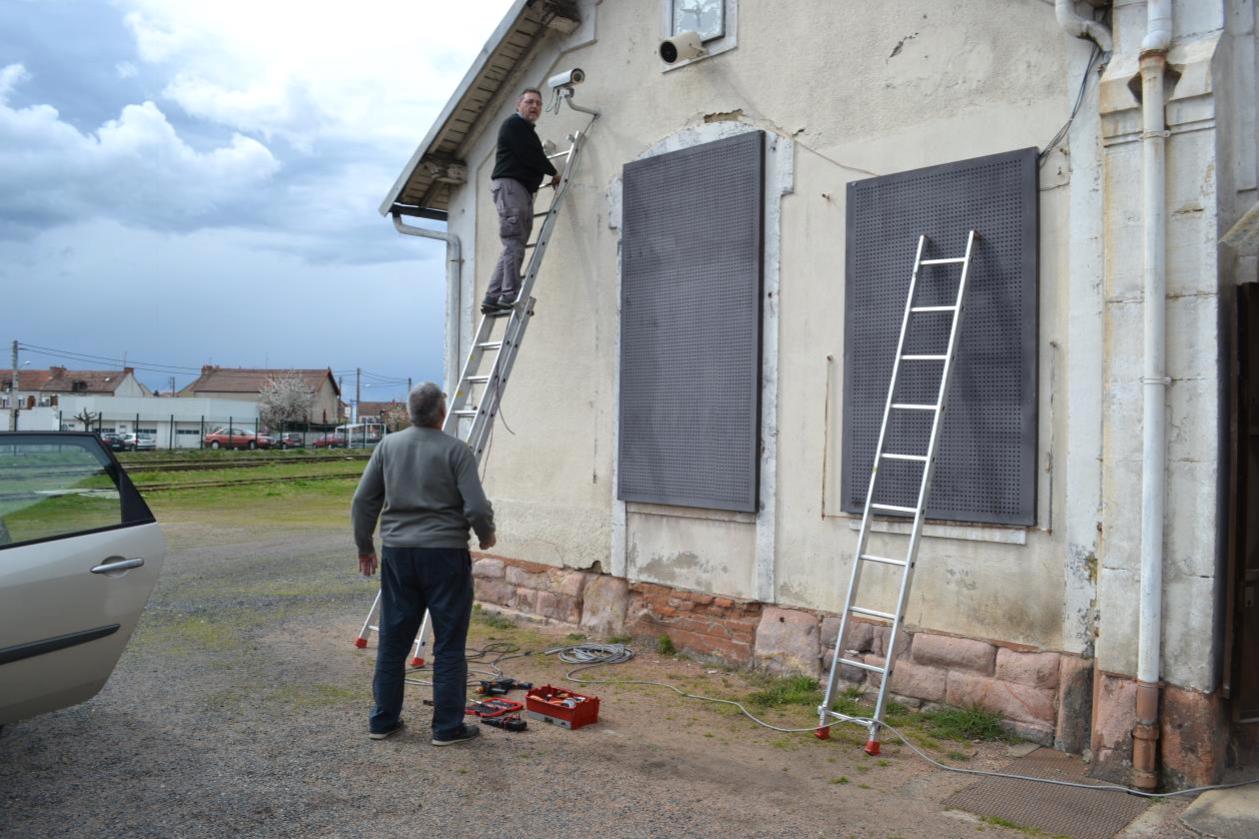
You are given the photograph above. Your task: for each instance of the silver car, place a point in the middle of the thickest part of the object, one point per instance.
(80, 553)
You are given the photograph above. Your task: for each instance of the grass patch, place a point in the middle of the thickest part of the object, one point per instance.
(998, 821)
(965, 724)
(792, 690)
(664, 645)
(304, 696)
(620, 639)
(842, 779)
(492, 620)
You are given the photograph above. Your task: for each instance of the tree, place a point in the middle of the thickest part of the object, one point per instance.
(87, 419)
(395, 416)
(283, 401)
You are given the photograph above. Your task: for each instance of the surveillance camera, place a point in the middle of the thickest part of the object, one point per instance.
(567, 79)
(683, 46)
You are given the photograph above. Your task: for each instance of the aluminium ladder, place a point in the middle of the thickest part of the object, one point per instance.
(470, 414)
(927, 462)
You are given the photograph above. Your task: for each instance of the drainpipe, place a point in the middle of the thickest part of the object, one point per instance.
(1082, 27)
(1154, 383)
(454, 291)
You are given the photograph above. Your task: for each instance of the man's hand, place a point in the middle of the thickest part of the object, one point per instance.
(367, 564)
(555, 181)
(486, 544)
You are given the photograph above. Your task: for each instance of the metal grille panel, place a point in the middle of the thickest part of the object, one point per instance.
(691, 326)
(986, 466)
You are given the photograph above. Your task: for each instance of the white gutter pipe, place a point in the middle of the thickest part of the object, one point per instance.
(1081, 27)
(454, 292)
(1154, 383)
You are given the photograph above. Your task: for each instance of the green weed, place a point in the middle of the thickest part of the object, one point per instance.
(792, 690)
(965, 724)
(664, 645)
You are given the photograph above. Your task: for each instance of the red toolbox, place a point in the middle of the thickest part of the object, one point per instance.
(562, 707)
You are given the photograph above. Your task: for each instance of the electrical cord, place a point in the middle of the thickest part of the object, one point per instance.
(597, 655)
(500, 650)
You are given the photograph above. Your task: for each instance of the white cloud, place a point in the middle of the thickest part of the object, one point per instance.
(134, 168)
(126, 70)
(372, 72)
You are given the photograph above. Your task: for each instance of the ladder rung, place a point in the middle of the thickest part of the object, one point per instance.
(951, 261)
(923, 357)
(872, 613)
(565, 153)
(540, 215)
(894, 509)
(933, 309)
(873, 668)
(490, 345)
(478, 380)
(920, 458)
(907, 406)
(467, 412)
(530, 245)
(883, 559)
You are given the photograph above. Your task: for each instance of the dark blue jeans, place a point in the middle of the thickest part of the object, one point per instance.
(412, 580)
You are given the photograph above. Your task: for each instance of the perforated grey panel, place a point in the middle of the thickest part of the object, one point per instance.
(986, 465)
(691, 326)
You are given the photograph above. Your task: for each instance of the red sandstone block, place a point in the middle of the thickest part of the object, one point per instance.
(703, 599)
(1013, 701)
(494, 591)
(1039, 670)
(954, 653)
(879, 636)
(520, 577)
(722, 647)
(917, 680)
(487, 568)
(723, 602)
(571, 583)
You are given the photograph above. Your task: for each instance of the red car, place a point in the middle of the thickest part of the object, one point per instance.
(237, 438)
(328, 441)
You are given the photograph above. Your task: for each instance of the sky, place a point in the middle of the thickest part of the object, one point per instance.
(189, 183)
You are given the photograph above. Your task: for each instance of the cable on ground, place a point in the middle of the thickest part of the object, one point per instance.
(596, 655)
(490, 656)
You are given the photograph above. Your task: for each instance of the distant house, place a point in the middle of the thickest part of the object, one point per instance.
(243, 383)
(41, 388)
(393, 414)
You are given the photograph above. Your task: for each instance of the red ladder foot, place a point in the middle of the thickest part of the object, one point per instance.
(872, 747)
(417, 662)
(823, 732)
(360, 642)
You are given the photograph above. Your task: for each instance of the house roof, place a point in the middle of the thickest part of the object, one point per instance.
(250, 380)
(27, 380)
(61, 380)
(423, 188)
(375, 409)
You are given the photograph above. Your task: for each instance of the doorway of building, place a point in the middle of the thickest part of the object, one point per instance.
(1244, 560)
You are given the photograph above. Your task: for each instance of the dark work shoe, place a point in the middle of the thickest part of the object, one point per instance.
(489, 304)
(507, 301)
(389, 732)
(470, 732)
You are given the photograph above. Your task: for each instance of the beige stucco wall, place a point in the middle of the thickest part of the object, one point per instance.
(855, 92)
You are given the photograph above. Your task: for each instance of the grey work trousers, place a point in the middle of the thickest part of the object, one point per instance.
(515, 222)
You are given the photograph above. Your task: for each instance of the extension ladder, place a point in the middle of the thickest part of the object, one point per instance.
(927, 462)
(472, 419)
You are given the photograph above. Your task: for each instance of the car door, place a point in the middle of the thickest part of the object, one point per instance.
(80, 553)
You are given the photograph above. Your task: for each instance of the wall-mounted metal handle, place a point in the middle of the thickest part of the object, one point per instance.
(117, 564)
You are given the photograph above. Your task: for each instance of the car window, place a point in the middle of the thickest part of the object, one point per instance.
(51, 488)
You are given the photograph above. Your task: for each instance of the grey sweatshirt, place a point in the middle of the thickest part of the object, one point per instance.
(422, 485)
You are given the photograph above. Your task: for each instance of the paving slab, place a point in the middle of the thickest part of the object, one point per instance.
(1225, 813)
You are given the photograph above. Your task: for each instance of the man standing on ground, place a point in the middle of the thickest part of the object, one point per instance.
(426, 484)
(519, 168)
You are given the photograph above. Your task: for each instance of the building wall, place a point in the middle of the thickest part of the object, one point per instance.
(856, 94)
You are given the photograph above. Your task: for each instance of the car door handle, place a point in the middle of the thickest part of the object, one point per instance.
(114, 564)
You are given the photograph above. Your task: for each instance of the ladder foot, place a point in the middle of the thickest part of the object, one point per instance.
(417, 662)
(823, 732)
(872, 747)
(360, 642)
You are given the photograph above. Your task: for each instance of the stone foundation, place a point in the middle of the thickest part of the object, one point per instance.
(1055, 699)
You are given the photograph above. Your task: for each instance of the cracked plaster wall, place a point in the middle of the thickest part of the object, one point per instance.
(860, 93)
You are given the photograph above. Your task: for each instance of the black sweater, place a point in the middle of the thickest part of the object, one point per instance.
(520, 154)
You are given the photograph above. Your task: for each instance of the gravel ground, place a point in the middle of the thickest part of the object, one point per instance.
(240, 708)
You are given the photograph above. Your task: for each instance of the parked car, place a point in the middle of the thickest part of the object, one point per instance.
(81, 552)
(291, 440)
(237, 438)
(112, 440)
(328, 441)
(138, 442)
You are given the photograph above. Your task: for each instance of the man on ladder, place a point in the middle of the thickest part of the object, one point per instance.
(426, 484)
(519, 167)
